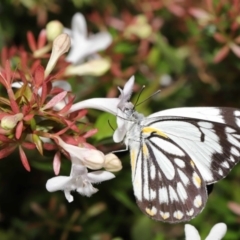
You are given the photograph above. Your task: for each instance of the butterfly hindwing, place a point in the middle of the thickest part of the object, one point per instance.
(171, 187)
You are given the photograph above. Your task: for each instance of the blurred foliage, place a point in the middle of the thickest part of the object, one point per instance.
(180, 47)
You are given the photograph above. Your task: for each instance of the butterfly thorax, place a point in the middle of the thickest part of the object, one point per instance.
(133, 124)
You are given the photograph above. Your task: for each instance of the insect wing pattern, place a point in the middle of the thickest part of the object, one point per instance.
(178, 156)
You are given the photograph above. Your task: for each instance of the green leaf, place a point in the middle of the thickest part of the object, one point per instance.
(102, 124)
(125, 48)
(36, 139)
(154, 57)
(170, 54)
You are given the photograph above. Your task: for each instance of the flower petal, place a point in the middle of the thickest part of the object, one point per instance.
(121, 131)
(104, 104)
(126, 92)
(217, 232)
(78, 170)
(87, 189)
(99, 176)
(79, 25)
(68, 196)
(191, 232)
(98, 42)
(58, 183)
(78, 51)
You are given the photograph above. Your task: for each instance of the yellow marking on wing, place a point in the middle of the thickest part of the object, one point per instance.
(165, 215)
(198, 201)
(145, 151)
(151, 212)
(197, 180)
(154, 130)
(133, 159)
(192, 163)
(178, 215)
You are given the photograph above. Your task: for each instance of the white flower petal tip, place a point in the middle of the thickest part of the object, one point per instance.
(129, 85)
(79, 24)
(57, 183)
(100, 176)
(217, 232)
(191, 232)
(68, 196)
(126, 92)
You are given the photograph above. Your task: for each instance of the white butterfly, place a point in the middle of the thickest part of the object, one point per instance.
(175, 153)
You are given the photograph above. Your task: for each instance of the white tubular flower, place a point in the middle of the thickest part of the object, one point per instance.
(79, 180)
(217, 232)
(90, 158)
(114, 106)
(82, 44)
(126, 93)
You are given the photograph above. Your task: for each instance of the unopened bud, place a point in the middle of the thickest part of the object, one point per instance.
(10, 122)
(141, 28)
(53, 29)
(61, 45)
(112, 163)
(92, 158)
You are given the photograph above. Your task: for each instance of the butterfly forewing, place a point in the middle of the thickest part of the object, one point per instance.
(213, 147)
(225, 115)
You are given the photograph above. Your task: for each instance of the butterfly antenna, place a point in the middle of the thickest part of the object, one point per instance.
(136, 103)
(158, 91)
(110, 125)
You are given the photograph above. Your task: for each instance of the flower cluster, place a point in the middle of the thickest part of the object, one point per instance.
(34, 112)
